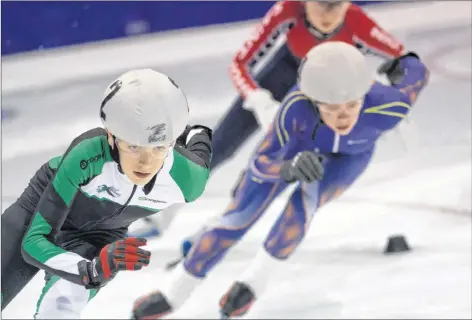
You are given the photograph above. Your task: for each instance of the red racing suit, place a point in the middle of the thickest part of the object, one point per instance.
(285, 24)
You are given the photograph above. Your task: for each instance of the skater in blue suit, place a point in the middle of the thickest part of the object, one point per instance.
(322, 139)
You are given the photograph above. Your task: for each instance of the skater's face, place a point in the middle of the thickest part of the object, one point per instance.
(139, 164)
(341, 118)
(326, 16)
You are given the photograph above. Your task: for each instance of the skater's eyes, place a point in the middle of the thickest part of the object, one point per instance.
(135, 151)
(330, 107)
(335, 108)
(157, 149)
(329, 5)
(160, 149)
(352, 105)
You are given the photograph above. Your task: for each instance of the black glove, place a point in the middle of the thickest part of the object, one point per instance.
(182, 139)
(393, 70)
(120, 255)
(306, 167)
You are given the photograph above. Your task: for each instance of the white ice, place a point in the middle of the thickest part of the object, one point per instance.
(340, 270)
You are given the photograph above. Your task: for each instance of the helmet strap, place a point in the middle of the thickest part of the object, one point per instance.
(115, 155)
(318, 115)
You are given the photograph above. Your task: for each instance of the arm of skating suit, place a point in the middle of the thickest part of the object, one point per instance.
(375, 39)
(83, 160)
(403, 93)
(191, 167)
(277, 20)
(294, 125)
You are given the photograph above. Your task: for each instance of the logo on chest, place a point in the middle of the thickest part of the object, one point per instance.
(359, 141)
(112, 191)
(152, 200)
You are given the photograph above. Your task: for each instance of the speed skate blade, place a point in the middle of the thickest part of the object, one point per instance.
(171, 265)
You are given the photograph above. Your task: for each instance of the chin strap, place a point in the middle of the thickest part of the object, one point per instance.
(320, 122)
(115, 155)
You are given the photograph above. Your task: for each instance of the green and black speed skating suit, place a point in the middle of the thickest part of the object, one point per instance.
(81, 201)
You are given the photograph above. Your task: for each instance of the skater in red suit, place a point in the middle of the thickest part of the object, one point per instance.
(266, 66)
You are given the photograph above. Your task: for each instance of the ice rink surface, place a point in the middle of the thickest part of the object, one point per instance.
(418, 185)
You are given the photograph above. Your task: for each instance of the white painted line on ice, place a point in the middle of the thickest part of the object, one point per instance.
(50, 136)
(43, 138)
(33, 70)
(416, 189)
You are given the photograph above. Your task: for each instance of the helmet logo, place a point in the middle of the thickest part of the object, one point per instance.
(175, 84)
(115, 86)
(157, 133)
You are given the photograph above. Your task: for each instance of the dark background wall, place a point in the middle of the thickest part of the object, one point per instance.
(39, 25)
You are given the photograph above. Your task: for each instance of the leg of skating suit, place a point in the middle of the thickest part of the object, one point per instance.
(293, 223)
(62, 299)
(252, 197)
(16, 272)
(238, 124)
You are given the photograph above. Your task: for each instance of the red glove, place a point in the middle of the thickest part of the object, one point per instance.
(117, 256)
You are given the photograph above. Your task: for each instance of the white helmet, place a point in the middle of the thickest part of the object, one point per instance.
(144, 108)
(334, 72)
